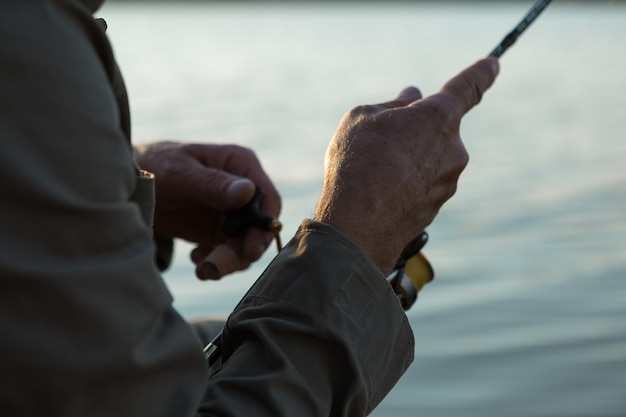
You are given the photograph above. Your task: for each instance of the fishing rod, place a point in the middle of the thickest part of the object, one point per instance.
(510, 39)
(412, 270)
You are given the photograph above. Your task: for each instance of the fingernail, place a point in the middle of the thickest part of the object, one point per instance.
(237, 188)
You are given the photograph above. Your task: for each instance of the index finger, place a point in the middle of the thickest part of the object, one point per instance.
(466, 89)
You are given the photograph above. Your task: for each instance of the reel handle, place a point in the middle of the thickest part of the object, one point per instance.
(237, 221)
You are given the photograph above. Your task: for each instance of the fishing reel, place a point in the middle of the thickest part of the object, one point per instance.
(411, 272)
(237, 221)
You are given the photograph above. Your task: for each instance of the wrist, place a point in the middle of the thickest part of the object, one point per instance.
(379, 243)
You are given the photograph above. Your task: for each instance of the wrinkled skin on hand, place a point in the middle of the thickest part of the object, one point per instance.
(195, 184)
(391, 166)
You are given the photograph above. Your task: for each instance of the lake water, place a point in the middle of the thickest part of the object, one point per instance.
(527, 315)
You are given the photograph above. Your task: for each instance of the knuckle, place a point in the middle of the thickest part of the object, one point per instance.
(452, 189)
(362, 111)
(463, 156)
(441, 112)
(236, 155)
(238, 149)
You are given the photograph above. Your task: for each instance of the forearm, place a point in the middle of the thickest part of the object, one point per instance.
(321, 333)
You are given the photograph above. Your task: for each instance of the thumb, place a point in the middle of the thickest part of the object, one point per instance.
(238, 192)
(466, 89)
(220, 189)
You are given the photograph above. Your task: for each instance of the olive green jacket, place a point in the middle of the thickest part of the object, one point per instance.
(87, 326)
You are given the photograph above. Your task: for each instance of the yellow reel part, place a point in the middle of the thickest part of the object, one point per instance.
(416, 273)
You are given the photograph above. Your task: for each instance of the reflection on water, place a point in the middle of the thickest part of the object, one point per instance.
(527, 314)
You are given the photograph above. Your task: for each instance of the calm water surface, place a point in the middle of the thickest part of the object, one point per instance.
(527, 316)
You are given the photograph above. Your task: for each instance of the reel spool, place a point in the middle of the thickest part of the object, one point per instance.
(411, 272)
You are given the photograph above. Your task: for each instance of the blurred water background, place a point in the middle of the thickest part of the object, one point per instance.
(527, 315)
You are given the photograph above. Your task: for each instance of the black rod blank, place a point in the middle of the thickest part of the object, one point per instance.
(520, 28)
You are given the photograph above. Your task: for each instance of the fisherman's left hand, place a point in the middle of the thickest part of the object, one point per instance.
(196, 184)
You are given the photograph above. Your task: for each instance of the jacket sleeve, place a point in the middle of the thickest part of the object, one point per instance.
(87, 325)
(320, 334)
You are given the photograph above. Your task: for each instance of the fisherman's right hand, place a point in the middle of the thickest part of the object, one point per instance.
(391, 166)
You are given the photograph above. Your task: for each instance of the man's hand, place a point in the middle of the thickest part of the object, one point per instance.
(195, 185)
(390, 167)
